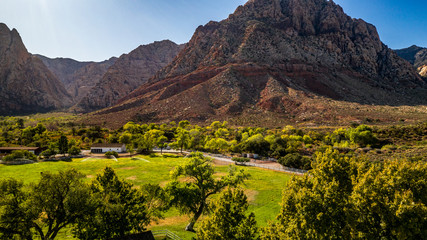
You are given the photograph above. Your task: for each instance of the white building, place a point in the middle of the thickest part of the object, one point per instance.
(108, 147)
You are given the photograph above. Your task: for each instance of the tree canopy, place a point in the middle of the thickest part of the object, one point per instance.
(228, 219)
(348, 198)
(191, 196)
(118, 209)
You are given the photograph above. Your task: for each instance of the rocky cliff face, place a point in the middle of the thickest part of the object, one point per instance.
(417, 56)
(78, 77)
(273, 56)
(26, 84)
(128, 72)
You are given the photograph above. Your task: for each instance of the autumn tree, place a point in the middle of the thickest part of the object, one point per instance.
(228, 219)
(191, 196)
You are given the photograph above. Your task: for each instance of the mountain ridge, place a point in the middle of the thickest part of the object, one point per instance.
(127, 73)
(280, 49)
(417, 56)
(78, 77)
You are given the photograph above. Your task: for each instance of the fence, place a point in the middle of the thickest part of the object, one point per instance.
(166, 233)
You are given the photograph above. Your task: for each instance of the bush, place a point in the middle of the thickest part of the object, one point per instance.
(19, 154)
(48, 153)
(296, 160)
(73, 151)
(111, 153)
(240, 159)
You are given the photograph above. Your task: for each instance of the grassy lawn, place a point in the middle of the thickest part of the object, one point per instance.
(263, 189)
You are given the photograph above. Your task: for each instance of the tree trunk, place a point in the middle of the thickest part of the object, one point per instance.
(190, 226)
(194, 219)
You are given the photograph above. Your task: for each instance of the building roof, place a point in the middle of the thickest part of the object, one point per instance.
(19, 148)
(107, 145)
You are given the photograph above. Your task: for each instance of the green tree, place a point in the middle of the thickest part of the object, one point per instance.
(228, 218)
(58, 200)
(125, 138)
(257, 144)
(161, 143)
(182, 139)
(217, 145)
(362, 135)
(349, 198)
(191, 196)
(315, 206)
(183, 124)
(295, 160)
(48, 153)
(120, 209)
(63, 144)
(196, 139)
(390, 201)
(16, 219)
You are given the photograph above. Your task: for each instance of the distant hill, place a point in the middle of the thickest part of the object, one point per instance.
(26, 84)
(416, 56)
(127, 73)
(275, 59)
(78, 77)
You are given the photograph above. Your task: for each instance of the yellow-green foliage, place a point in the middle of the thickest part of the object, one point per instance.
(349, 198)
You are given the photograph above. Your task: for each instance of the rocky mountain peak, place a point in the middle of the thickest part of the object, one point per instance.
(275, 56)
(10, 41)
(26, 85)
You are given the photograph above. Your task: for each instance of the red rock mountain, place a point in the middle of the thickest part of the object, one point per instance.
(26, 84)
(271, 58)
(417, 56)
(127, 73)
(78, 77)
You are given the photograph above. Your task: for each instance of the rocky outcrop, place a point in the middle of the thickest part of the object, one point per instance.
(26, 84)
(78, 77)
(273, 56)
(127, 73)
(417, 56)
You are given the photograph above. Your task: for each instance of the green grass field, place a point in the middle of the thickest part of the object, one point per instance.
(263, 189)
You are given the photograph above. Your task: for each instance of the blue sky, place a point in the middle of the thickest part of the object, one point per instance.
(98, 29)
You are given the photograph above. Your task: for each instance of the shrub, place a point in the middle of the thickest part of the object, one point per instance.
(48, 153)
(240, 159)
(111, 153)
(19, 154)
(73, 151)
